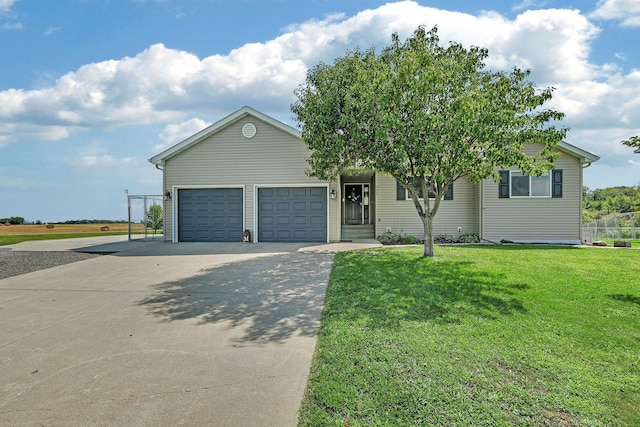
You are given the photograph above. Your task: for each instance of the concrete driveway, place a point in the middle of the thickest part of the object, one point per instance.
(163, 334)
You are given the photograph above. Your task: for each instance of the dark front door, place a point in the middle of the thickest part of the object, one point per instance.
(353, 204)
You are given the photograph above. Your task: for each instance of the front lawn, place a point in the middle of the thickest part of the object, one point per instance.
(479, 335)
(12, 239)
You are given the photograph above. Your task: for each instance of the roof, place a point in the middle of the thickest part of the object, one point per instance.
(584, 156)
(160, 159)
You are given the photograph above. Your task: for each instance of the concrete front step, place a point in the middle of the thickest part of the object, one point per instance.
(357, 232)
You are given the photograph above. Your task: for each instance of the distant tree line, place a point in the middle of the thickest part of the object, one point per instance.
(18, 220)
(14, 220)
(93, 221)
(606, 201)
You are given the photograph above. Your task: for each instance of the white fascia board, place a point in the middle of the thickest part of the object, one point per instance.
(584, 156)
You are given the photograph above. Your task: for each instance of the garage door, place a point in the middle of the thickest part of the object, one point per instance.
(210, 215)
(292, 214)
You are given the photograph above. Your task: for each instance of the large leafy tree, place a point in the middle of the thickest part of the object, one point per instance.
(634, 142)
(426, 114)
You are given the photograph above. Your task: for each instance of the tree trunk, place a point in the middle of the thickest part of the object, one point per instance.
(427, 222)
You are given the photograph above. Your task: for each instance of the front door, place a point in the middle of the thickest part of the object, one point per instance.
(353, 204)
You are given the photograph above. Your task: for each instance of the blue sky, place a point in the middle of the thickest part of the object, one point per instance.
(90, 89)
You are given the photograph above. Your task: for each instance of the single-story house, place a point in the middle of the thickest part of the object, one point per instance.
(248, 172)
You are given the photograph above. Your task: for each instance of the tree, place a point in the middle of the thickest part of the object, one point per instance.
(14, 220)
(425, 114)
(153, 218)
(634, 142)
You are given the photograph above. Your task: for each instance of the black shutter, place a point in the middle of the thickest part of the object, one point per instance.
(449, 194)
(401, 193)
(556, 184)
(504, 185)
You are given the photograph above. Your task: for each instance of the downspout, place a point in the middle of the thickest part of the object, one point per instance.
(481, 208)
(164, 225)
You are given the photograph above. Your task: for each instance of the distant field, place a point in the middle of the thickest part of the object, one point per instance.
(66, 228)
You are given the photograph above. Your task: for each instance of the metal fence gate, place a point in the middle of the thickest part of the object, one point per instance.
(140, 213)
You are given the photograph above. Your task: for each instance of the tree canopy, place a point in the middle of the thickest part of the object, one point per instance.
(611, 200)
(634, 142)
(425, 114)
(153, 217)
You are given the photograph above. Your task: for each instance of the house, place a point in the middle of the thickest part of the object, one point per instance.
(248, 172)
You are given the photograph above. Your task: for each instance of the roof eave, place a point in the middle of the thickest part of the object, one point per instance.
(583, 155)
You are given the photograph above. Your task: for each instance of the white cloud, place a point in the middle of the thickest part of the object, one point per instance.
(6, 13)
(104, 160)
(163, 85)
(176, 132)
(5, 6)
(626, 11)
(51, 30)
(16, 26)
(528, 4)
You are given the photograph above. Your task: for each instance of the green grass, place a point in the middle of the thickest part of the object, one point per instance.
(479, 336)
(12, 239)
(634, 243)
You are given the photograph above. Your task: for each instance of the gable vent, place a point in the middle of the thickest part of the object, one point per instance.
(249, 130)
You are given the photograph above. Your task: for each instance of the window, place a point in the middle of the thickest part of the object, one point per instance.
(518, 184)
(523, 185)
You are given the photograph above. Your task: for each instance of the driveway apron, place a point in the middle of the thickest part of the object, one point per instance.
(165, 334)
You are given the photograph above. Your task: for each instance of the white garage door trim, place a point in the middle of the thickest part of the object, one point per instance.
(175, 201)
(255, 203)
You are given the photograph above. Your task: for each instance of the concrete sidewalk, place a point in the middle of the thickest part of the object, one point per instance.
(99, 244)
(155, 247)
(153, 337)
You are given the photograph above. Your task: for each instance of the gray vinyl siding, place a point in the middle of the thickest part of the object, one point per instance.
(227, 158)
(402, 218)
(553, 220)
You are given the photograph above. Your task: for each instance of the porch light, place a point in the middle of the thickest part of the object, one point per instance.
(332, 194)
(167, 196)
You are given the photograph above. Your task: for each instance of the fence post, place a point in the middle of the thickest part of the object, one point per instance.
(129, 216)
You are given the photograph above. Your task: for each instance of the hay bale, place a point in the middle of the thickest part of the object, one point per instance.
(104, 228)
(7, 224)
(621, 244)
(49, 226)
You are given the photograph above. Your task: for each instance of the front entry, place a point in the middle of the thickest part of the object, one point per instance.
(356, 204)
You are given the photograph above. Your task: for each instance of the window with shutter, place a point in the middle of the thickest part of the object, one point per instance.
(556, 182)
(503, 187)
(516, 184)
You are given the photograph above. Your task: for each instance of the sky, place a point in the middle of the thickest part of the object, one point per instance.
(91, 89)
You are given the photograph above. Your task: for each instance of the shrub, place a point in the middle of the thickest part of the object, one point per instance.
(468, 238)
(388, 238)
(443, 238)
(463, 238)
(411, 240)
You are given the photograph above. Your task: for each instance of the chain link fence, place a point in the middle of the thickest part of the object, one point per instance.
(622, 226)
(145, 216)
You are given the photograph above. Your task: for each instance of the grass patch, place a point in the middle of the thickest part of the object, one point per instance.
(12, 239)
(634, 243)
(479, 335)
